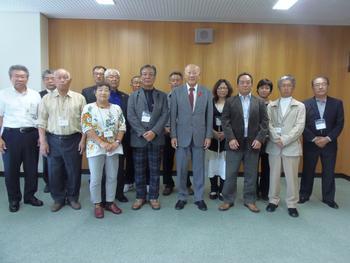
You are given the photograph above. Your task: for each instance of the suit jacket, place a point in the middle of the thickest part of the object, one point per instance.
(292, 126)
(187, 124)
(159, 116)
(233, 120)
(333, 115)
(89, 94)
(43, 93)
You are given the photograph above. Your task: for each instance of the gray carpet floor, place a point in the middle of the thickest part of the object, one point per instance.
(320, 234)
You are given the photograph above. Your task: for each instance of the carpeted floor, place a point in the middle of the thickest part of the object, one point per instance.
(35, 235)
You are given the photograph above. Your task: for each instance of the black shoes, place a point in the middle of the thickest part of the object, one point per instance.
(47, 189)
(331, 204)
(122, 198)
(14, 206)
(293, 212)
(271, 207)
(34, 201)
(303, 199)
(213, 195)
(167, 190)
(180, 204)
(201, 205)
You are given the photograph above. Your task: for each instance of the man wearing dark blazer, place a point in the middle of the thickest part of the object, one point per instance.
(89, 92)
(191, 122)
(49, 83)
(245, 125)
(324, 123)
(147, 115)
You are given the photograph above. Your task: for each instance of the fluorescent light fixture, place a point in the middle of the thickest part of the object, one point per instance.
(105, 2)
(284, 4)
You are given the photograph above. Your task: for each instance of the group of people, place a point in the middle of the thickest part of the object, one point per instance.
(126, 137)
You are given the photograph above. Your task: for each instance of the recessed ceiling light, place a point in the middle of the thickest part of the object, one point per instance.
(105, 2)
(284, 4)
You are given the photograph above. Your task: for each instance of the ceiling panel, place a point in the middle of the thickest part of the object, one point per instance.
(320, 12)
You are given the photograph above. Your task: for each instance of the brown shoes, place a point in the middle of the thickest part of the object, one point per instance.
(99, 213)
(252, 207)
(225, 206)
(75, 205)
(154, 203)
(56, 206)
(138, 204)
(112, 207)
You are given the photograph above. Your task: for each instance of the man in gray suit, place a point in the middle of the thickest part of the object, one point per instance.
(191, 120)
(245, 124)
(147, 115)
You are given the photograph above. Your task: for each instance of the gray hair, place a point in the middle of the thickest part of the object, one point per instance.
(284, 78)
(62, 70)
(46, 72)
(111, 71)
(18, 67)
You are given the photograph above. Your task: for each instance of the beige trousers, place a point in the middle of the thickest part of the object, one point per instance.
(290, 166)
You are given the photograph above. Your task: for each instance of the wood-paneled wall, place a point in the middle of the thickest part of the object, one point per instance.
(264, 50)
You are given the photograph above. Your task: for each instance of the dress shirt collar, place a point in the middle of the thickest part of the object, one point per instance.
(56, 94)
(195, 88)
(246, 96)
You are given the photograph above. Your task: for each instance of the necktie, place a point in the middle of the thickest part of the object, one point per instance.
(191, 97)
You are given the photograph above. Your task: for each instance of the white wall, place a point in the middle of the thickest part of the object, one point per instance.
(24, 40)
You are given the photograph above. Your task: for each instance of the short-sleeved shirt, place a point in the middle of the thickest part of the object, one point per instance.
(102, 120)
(19, 110)
(60, 115)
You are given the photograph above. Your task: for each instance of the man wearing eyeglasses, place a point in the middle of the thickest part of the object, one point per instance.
(324, 123)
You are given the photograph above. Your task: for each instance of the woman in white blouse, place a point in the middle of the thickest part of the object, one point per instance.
(104, 125)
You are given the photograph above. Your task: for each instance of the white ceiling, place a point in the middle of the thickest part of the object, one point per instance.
(318, 12)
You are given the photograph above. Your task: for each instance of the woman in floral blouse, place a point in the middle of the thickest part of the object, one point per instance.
(104, 125)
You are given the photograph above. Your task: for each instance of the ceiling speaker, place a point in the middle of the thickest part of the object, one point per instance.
(204, 35)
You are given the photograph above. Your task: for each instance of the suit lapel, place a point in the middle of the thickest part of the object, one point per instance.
(315, 109)
(185, 97)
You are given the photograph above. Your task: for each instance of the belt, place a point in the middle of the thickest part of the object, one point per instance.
(63, 137)
(21, 130)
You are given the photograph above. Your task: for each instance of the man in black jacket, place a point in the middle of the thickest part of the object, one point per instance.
(324, 123)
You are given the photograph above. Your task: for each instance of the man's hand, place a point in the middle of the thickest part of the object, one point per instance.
(174, 143)
(321, 141)
(280, 143)
(2, 146)
(234, 145)
(149, 135)
(256, 145)
(207, 142)
(44, 148)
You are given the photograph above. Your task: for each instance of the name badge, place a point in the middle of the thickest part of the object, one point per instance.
(108, 134)
(146, 117)
(278, 130)
(217, 121)
(320, 124)
(62, 122)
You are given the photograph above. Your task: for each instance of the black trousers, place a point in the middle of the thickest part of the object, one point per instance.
(263, 181)
(328, 156)
(22, 147)
(168, 163)
(64, 160)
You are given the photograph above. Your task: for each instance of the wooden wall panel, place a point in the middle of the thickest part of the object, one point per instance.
(264, 50)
